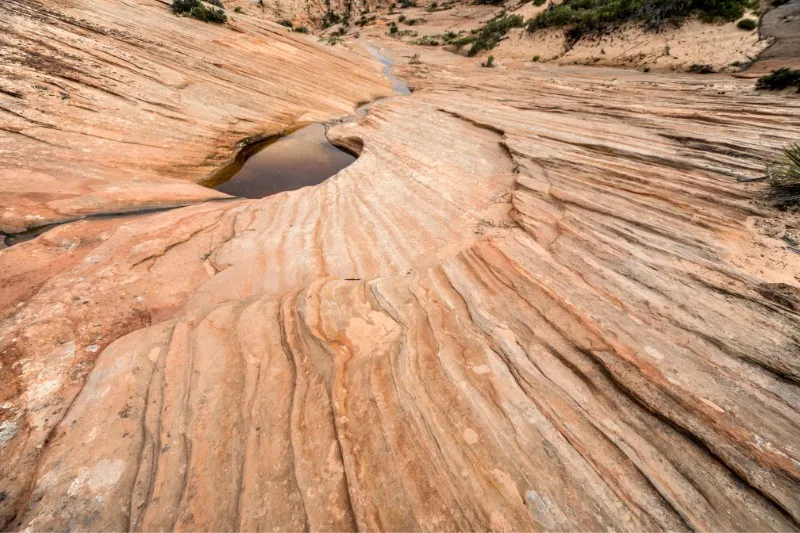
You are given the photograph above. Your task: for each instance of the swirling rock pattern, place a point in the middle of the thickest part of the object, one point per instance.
(537, 301)
(112, 107)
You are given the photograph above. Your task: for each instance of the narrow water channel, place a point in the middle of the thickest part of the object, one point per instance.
(300, 157)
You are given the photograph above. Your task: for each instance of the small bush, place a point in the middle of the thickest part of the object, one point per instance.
(217, 16)
(490, 2)
(286, 23)
(783, 175)
(301, 29)
(364, 20)
(427, 40)
(182, 7)
(489, 63)
(329, 19)
(700, 68)
(392, 28)
(436, 7)
(780, 79)
(414, 60)
(539, 2)
(237, 9)
(195, 9)
(401, 18)
(216, 3)
(747, 24)
(487, 37)
(583, 17)
(412, 22)
(535, 59)
(407, 3)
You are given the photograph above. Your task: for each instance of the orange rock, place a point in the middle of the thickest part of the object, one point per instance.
(537, 300)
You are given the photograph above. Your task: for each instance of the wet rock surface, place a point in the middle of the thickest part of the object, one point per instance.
(538, 300)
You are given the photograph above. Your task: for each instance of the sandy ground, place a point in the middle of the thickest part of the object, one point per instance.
(724, 47)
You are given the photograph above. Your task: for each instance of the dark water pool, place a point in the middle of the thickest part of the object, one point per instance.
(284, 163)
(296, 159)
(11, 239)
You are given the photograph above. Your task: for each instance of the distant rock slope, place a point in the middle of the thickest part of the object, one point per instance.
(537, 301)
(110, 106)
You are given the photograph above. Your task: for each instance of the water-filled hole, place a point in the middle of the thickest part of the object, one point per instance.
(300, 157)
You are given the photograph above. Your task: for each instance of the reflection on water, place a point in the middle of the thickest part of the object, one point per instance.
(296, 159)
(400, 87)
(301, 158)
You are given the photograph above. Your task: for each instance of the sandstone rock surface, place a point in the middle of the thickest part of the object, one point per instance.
(538, 300)
(109, 107)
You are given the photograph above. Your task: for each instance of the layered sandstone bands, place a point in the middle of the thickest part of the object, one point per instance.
(116, 107)
(537, 301)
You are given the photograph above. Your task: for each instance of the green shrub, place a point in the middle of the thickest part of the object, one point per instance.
(412, 22)
(286, 23)
(582, 17)
(700, 68)
(195, 9)
(427, 40)
(747, 24)
(490, 2)
(487, 37)
(407, 3)
(777, 80)
(364, 20)
(436, 7)
(783, 175)
(535, 59)
(489, 63)
(216, 3)
(392, 28)
(329, 19)
(401, 18)
(301, 29)
(539, 2)
(217, 16)
(237, 9)
(182, 7)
